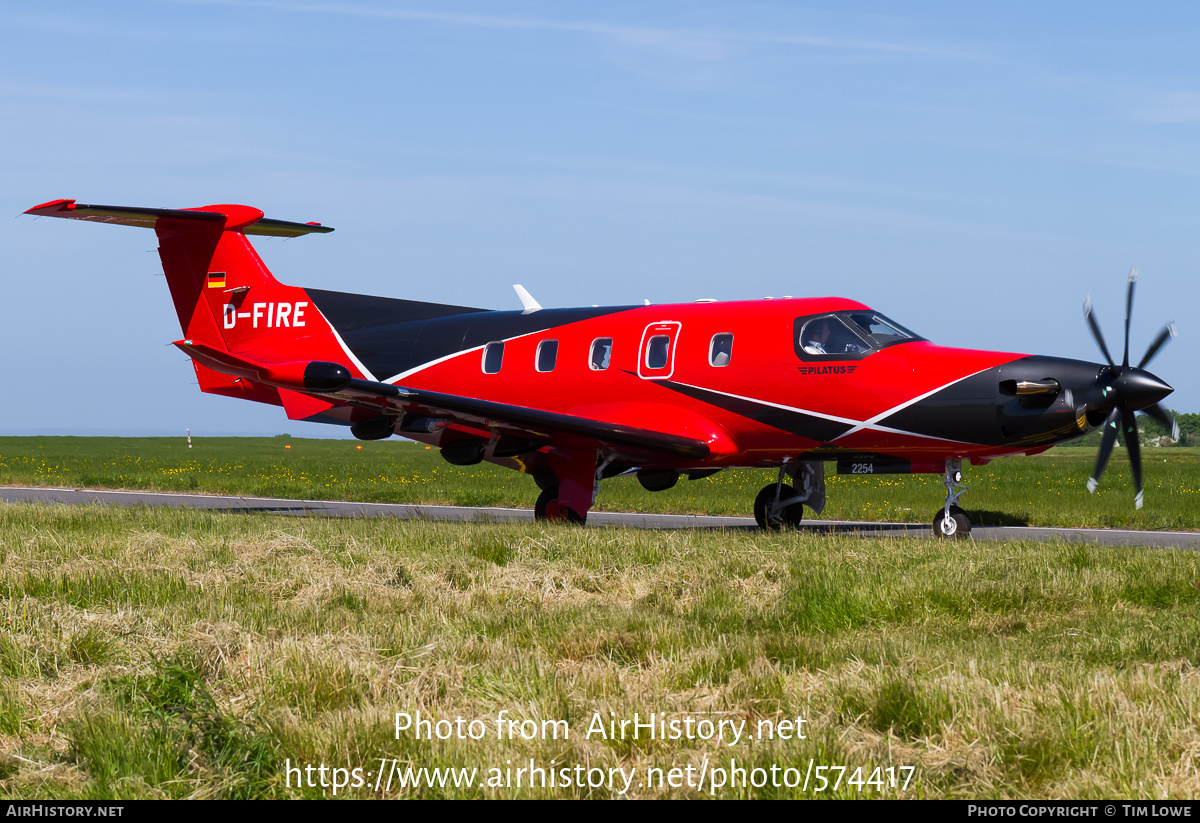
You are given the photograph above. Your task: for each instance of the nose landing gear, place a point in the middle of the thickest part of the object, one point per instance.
(951, 521)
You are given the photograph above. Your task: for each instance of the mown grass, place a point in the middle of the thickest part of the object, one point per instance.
(1044, 490)
(179, 653)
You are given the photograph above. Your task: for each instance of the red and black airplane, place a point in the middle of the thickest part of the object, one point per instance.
(574, 396)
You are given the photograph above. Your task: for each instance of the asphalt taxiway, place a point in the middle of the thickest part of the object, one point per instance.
(328, 508)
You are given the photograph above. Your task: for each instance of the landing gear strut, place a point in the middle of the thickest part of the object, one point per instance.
(779, 504)
(569, 486)
(951, 521)
(549, 507)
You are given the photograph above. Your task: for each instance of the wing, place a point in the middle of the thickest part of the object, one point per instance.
(527, 429)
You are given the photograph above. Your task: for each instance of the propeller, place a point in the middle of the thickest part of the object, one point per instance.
(1124, 391)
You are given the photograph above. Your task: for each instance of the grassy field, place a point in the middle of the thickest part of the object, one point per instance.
(179, 653)
(1046, 490)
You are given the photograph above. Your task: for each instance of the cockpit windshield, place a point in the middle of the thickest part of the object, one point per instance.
(847, 335)
(879, 329)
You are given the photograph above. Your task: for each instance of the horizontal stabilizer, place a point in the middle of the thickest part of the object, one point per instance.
(212, 216)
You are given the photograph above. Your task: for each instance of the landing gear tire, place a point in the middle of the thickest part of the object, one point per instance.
(790, 516)
(549, 508)
(958, 526)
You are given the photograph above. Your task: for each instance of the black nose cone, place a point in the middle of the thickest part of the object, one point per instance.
(1138, 388)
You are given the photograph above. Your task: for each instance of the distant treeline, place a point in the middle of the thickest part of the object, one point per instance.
(1153, 433)
(1189, 429)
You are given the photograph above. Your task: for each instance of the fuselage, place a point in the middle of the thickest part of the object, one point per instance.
(736, 375)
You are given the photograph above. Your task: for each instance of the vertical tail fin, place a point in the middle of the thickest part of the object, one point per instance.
(224, 295)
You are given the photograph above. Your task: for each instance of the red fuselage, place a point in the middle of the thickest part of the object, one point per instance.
(572, 396)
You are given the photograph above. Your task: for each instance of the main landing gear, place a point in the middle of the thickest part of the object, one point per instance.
(550, 507)
(951, 521)
(780, 504)
(569, 486)
(774, 509)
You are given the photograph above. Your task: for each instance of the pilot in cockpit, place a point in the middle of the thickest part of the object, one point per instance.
(817, 336)
(827, 335)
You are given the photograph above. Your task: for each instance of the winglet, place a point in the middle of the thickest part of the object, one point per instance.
(527, 300)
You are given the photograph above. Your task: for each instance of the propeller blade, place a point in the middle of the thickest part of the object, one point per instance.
(1124, 391)
(1163, 416)
(1095, 327)
(1129, 313)
(1134, 447)
(1166, 334)
(1106, 446)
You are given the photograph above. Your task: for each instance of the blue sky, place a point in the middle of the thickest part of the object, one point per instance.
(972, 172)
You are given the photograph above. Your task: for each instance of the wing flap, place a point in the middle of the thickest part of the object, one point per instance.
(332, 383)
(491, 414)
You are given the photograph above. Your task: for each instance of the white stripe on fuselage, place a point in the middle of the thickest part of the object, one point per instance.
(397, 377)
(870, 423)
(452, 355)
(857, 425)
(366, 373)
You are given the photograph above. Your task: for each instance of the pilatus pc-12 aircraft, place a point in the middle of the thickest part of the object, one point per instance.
(574, 396)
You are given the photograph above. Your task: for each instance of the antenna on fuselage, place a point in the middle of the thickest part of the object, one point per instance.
(527, 300)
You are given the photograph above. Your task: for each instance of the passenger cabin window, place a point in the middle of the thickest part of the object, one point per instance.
(601, 353)
(493, 357)
(657, 350)
(720, 350)
(547, 355)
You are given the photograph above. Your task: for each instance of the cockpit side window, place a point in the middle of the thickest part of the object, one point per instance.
(828, 335)
(847, 335)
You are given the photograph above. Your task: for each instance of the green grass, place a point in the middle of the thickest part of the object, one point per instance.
(1045, 490)
(180, 653)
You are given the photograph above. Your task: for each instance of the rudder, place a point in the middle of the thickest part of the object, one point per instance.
(224, 295)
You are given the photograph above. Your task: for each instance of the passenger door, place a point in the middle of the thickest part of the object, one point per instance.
(656, 354)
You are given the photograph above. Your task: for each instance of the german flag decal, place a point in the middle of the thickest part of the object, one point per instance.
(216, 279)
